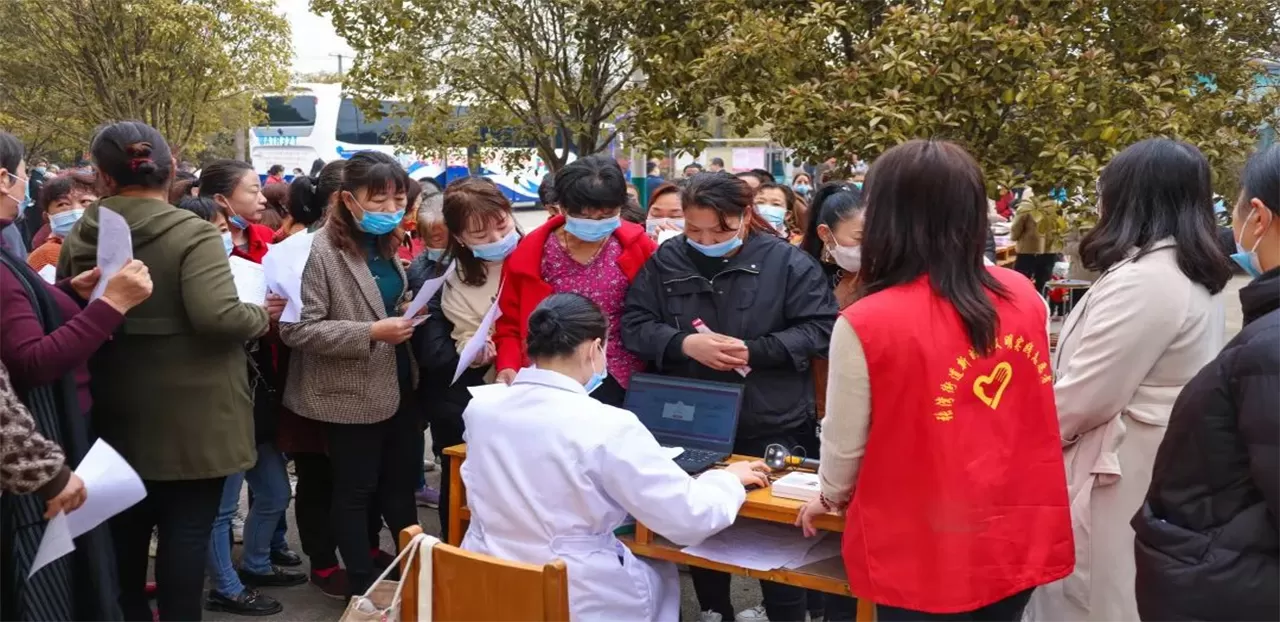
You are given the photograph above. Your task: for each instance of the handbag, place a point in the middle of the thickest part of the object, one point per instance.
(381, 602)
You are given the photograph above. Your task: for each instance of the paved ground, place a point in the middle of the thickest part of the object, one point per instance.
(307, 603)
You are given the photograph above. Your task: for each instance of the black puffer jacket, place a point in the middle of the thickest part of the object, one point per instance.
(1207, 541)
(770, 294)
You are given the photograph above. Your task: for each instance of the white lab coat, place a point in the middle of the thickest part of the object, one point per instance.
(551, 472)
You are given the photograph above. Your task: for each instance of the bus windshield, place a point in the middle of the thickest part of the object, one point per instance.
(286, 111)
(354, 127)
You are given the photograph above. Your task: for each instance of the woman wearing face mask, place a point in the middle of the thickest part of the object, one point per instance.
(776, 203)
(665, 212)
(63, 201)
(411, 244)
(482, 234)
(49, 335)
(770, 309)
(184, 422)
(1146, 327)
(1215, 488)
(834, 237)
(545, 440)
(588, 250)
(350, 366)
(235, 186)
(802, 184)
(435, 239)
(309, 199)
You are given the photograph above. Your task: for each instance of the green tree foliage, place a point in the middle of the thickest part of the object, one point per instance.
(186, 67)
(490, 73)
(1044, 89)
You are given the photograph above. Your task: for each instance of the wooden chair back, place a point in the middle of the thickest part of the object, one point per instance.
(468, 587)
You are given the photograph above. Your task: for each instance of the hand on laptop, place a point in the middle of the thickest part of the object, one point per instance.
(719, 352)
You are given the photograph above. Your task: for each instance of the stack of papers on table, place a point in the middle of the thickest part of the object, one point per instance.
(761, 545)
(798, 485)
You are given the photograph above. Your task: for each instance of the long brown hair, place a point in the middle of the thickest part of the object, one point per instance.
(370, 171)
(468, 203)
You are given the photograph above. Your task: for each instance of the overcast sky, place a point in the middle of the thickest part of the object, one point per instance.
(313, 38)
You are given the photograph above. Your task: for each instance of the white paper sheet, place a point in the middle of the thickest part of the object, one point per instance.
(428, 290)
(282, 268)
(478, 340)
(115, 247)
(757, 545)
(826, 546)
(251, 280)
(111, 487)
(667, 234)
(49, 273)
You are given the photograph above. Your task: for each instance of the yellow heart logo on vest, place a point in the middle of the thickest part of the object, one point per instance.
(998, 379)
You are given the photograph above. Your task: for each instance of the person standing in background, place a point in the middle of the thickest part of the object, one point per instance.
(277, 198)
(589, 251)
(1207, 546)
(62, 202)
(1149, 323)
(350, 367)
(770, 308)
(411, 244)
(183, 422)
(1036, 251)
(275, 175)
(233, 185)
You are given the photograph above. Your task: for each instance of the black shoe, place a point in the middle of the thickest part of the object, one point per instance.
(248, 603)
(285, 557)
(279, 577)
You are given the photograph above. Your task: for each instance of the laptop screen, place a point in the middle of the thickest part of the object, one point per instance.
(681, 412)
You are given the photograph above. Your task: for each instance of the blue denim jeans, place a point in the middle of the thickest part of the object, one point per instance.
(270, 485)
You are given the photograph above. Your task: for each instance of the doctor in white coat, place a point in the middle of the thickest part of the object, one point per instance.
(551, 472)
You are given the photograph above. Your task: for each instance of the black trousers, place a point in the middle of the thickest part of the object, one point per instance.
(312, 508)
(373, 469)
(1007, 610)
(183, 511)
(782, 603)
(1038, 268)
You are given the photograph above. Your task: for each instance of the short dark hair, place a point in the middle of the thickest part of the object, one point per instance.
(927, 215)
(693, 165)
(547, 190)
(1261, 177)
(1153, 190)
(132, 153)
(309, 196)
(651, 167)
(728, 196)
(561, 323)
(11, 152)
(717, 162)
(204, 207)
(275, 169)
(764, 176)
(832, 204)
(62, 186)
(593, 182)
(222, 177)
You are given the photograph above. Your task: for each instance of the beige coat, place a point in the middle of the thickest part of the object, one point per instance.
(336, 373)
(1127, 349)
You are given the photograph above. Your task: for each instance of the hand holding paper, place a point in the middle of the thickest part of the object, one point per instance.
(425, 292)
(478, 341)
(115, 247)
(250, 280)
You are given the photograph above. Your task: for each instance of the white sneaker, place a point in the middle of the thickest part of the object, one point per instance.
(754, 614)
(428, 465)
(710, 616)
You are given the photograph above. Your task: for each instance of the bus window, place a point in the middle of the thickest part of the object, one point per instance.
(291, 111)
(354, 127)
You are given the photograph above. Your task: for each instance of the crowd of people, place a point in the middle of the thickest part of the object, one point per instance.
(1128, 472)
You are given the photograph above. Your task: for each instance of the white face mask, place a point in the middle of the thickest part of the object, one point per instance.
(847, 257)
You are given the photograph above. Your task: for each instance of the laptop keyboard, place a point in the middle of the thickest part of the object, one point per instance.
(698, 457)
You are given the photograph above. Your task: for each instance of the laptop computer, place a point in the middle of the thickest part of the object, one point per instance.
(698, 416)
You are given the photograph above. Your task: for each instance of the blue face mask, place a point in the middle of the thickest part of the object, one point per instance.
(717, 250)
(597, 377)
(802, 188)
(60, 224)
(434, 254)
(776, 216)
(377, 223)
(227, 244)
(238, 223)
(1248, 260)
(589, 230)
(496, 251)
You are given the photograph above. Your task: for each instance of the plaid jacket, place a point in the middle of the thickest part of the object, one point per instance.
(336, 374)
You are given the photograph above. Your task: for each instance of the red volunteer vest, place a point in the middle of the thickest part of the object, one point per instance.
(961, 500)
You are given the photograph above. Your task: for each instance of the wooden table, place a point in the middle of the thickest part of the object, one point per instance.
(1005, 255)
(825, 576)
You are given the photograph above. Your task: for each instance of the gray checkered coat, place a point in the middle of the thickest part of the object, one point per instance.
(336, 374)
